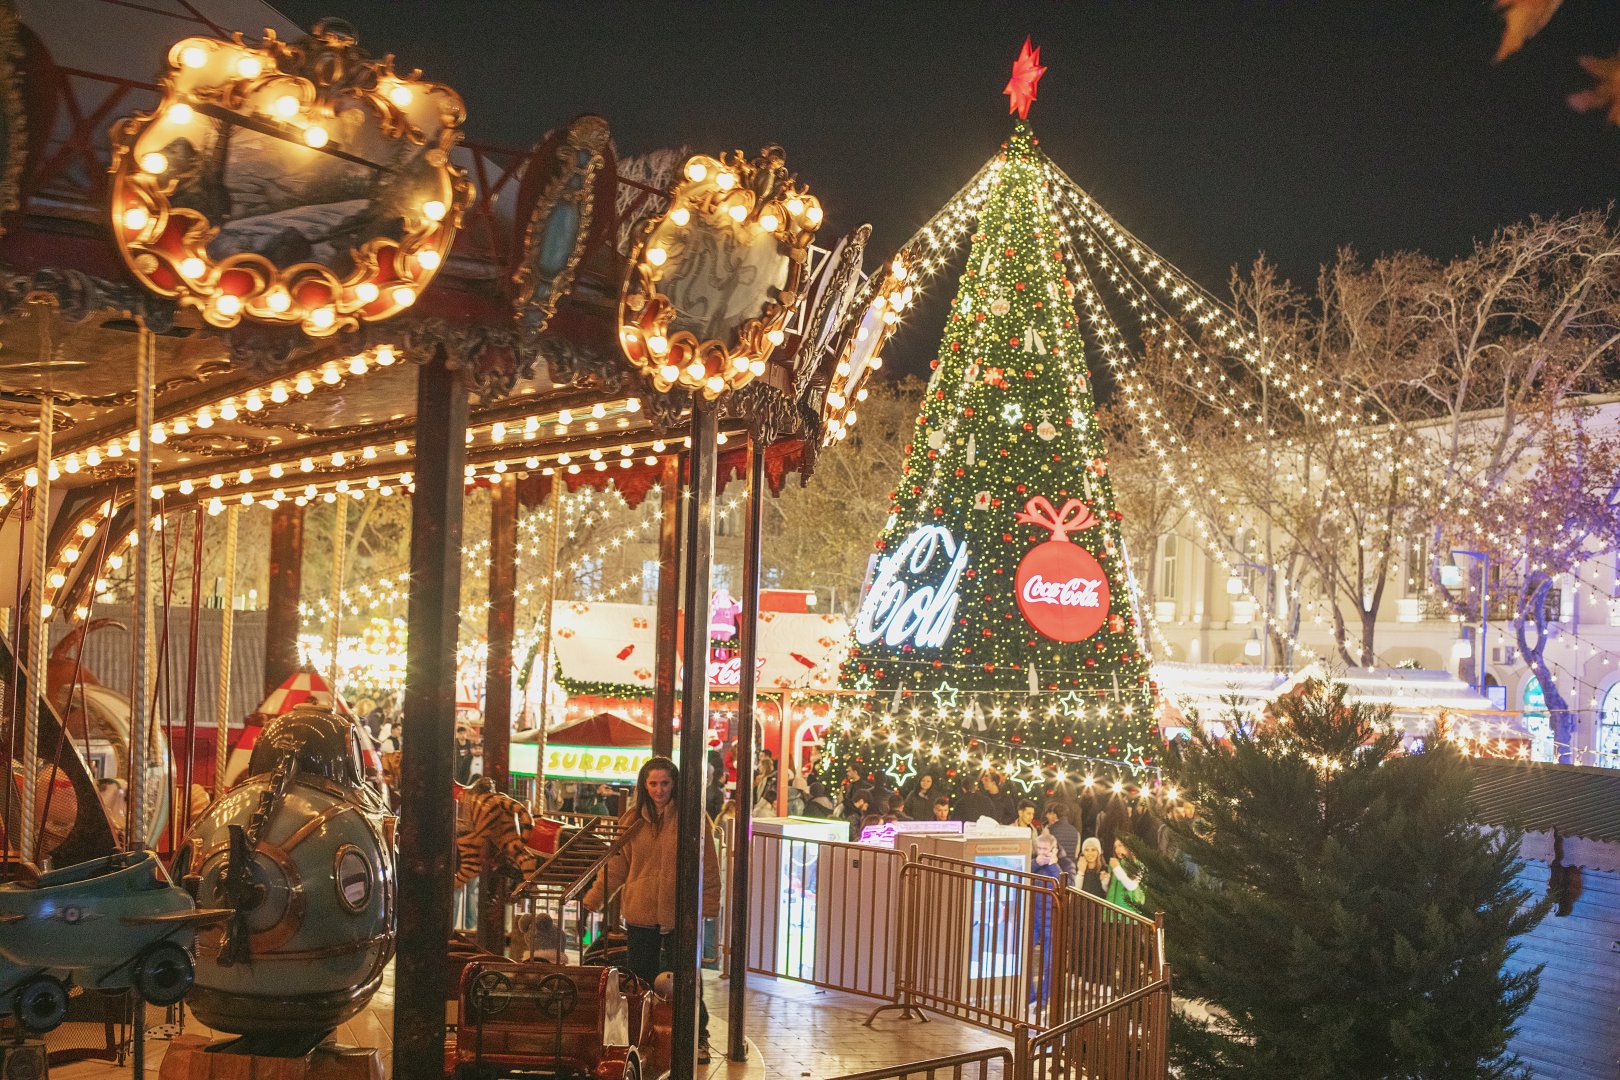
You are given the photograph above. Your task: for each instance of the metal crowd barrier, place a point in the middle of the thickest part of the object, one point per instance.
(1127, 1039)
(1079, 983)
(995, 1064)
(826, 914)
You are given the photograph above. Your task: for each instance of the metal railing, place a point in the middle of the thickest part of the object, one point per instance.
(1127, 1039)
(1072, 978)
(825, 913)
(956, 1067)
(1005, 950)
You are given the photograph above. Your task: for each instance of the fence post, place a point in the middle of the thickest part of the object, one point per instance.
(1023, 1068)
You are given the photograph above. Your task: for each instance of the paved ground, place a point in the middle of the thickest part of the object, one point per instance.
(796, 1032)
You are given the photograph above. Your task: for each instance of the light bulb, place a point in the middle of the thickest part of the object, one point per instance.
(427, 259)
(227, 411)
(400, 95)
(696, 171)
(315, 136)
(657, 255)
(737, 211)
(366, 292)
(193, 56)
(278, 300)
(404, 296)
(249, 67)
(768, 222)
(433, 210)
(180, 114)
(285, 106)
(322, 317)
(193, 267)
(136, 218)
(725, 180)
(680, 215)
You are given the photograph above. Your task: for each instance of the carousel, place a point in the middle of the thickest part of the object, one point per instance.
(265, 273)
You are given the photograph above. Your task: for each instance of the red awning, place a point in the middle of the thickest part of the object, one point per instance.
(603, 729)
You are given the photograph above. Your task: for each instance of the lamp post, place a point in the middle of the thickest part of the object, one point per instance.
(1234, 586)
(1451, 577)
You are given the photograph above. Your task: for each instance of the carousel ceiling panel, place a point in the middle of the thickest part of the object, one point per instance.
(347, 407)
(92, 362)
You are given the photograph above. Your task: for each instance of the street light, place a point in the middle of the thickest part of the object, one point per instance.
(1451, 577)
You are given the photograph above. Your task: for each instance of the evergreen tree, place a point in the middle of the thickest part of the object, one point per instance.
(999, 621)
(1336, 907)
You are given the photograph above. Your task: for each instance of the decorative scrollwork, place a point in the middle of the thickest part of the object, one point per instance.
(833, 294)
(78, 296)
(861, 350)
(715, 277)
(560, 225)
(354, 203)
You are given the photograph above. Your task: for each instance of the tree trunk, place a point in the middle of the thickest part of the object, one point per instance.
(1532, 622)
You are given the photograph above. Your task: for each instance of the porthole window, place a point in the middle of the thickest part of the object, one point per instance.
(353, 878)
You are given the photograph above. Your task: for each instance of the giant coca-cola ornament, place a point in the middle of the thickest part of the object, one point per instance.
(1062, 589)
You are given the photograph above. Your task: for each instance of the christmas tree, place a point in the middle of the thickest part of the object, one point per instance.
(1337, 905)
(999, 625)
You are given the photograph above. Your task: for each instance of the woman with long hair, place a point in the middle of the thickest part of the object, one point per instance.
(645, 866)
(920, 796)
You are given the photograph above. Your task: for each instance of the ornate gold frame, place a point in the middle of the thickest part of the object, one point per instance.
(730, 193)
(847, 386)
(577, 161)
(286, 91)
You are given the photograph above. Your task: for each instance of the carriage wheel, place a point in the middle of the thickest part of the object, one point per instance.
(490, 994)
(40, 1004)
(164, 973)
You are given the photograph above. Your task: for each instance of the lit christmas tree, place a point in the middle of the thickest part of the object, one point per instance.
(999, 624)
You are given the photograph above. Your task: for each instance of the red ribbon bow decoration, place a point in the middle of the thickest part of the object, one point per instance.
(1074, 517)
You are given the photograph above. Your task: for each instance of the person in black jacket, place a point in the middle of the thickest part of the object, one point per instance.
(972, 805)
(920, 796)
(1003, 807)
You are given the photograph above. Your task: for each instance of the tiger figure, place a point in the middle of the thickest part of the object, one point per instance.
(490, 827)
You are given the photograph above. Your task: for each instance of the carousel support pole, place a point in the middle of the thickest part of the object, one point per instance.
(737, 1043)
(693, 834)
(227, 618)
(427, 822)
(37, 648)
(669, 599)
(547, 653)
(492, 896)
(286, 582)
(334, 600)
(140, 701)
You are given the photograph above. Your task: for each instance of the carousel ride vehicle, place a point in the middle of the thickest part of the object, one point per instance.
(559, 1021)
(110, 923)
(302, 852)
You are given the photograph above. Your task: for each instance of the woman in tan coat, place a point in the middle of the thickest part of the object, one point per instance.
(645, 866)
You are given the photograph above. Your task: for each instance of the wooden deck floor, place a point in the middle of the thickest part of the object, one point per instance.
(795, 1031)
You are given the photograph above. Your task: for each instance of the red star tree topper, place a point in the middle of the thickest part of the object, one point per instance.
(1026, 72)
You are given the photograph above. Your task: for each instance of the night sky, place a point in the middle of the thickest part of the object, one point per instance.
(1215, 131)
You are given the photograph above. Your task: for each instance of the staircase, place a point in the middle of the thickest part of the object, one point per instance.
(563, 876)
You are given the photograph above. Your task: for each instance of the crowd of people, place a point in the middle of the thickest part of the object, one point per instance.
(1084, 833)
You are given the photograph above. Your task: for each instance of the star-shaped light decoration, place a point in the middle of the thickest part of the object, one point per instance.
(1026, 72)
(945, 695)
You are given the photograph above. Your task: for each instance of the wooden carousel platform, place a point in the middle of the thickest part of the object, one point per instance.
(795, 1031)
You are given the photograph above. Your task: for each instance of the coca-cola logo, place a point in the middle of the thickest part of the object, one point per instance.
(1076, 592)
(729, 672)
(899, 607)
(1062, 589)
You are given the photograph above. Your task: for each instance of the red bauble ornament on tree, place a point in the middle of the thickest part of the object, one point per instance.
(1061, 588)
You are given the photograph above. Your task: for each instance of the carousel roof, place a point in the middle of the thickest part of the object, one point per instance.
(260, 414)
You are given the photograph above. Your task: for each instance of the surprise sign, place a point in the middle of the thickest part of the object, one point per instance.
(1062, 590)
